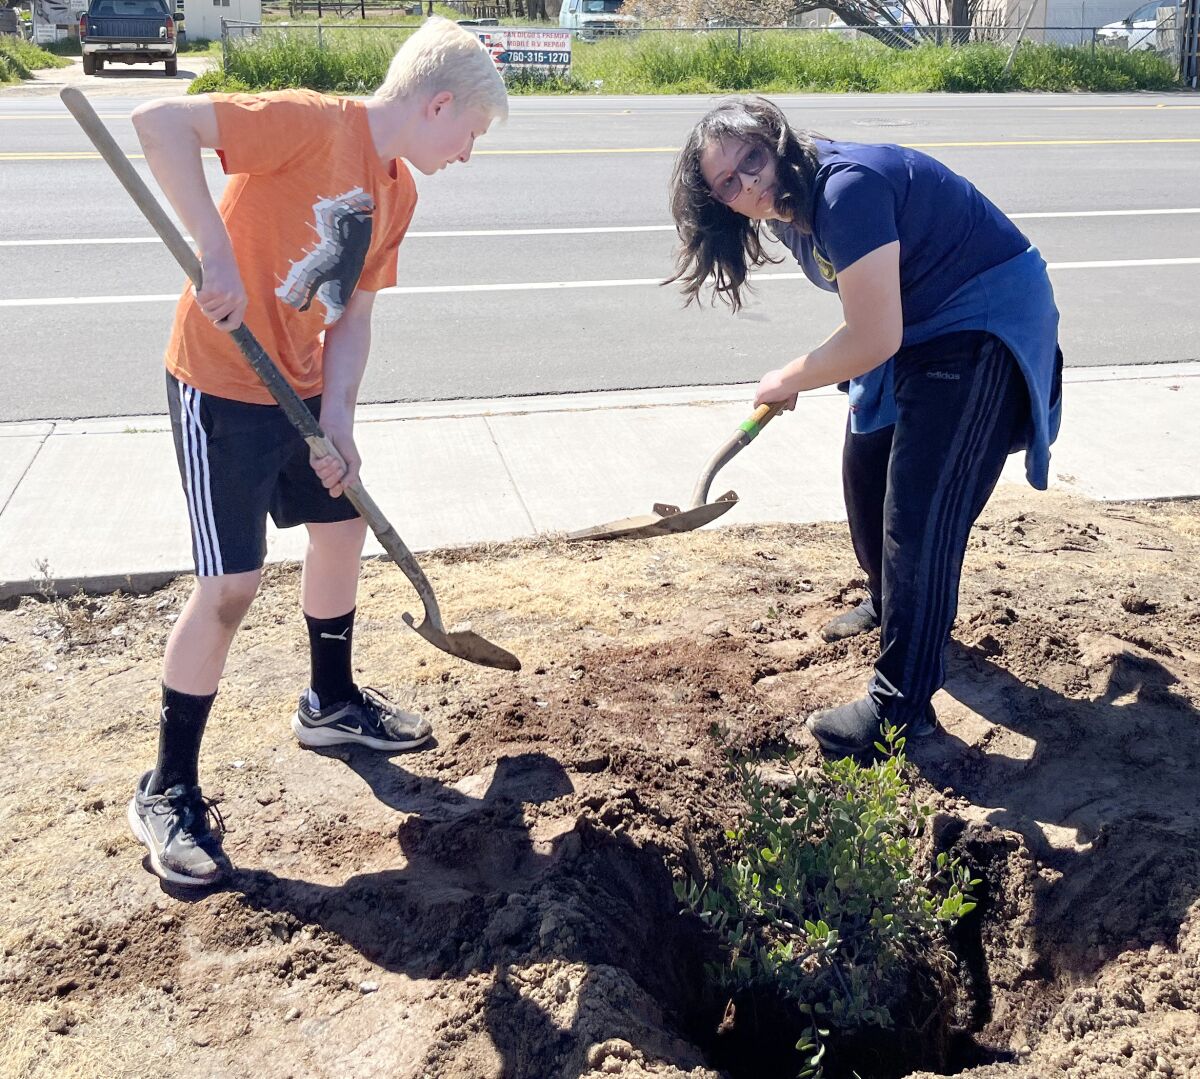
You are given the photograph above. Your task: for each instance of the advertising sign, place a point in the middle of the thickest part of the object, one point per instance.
(526, 49)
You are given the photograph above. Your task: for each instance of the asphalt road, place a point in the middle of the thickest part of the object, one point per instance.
(562, 215)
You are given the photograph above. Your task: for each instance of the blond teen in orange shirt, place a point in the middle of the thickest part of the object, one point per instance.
(305, 235)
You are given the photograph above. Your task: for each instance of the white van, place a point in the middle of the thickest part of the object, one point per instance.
(591, 19)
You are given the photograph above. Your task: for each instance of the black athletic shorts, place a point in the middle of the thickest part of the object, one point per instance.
(239, 462)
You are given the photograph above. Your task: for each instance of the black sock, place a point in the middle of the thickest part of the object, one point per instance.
(180, 728)
(329, 641)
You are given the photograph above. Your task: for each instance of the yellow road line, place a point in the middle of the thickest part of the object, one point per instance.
(91, 155)
(588, 150)
(914, 145)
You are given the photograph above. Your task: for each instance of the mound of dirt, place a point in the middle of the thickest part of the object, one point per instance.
(500, 906)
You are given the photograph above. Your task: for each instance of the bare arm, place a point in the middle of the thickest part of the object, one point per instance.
(347, 346)
(172, 134)
(872, 331)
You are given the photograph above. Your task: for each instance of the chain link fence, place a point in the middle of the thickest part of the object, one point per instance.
(1165, 39)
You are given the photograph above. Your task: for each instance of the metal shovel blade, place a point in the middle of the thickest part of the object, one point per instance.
(664, 521)
(465, 644)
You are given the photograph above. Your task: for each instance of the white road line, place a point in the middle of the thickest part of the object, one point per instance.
(544, 286)
(1101, 213)
(449, 234)
(73, 301)
(456, 234)
(1118, 263)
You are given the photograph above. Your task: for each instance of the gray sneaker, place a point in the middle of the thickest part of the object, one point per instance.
(860, 619)
(368, 719)
(173, 827)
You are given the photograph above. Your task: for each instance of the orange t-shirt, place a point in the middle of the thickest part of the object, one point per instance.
(314, 214)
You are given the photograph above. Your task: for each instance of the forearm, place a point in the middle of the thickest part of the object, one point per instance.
(172, 144)
(845, 354)
(347, 346)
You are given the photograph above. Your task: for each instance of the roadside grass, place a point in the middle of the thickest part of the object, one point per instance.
(19, 59)
(354, 61)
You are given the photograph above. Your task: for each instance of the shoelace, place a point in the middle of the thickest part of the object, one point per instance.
(376, 704)
(382, 710)
(183, 809)
(374, 697)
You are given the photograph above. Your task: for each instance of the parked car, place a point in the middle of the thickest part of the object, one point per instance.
(1138, 30)
(595, 18)
(128, 32)
(896, 20)
(10, 22)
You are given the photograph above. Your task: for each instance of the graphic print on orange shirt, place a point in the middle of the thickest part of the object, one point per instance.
(329, 270)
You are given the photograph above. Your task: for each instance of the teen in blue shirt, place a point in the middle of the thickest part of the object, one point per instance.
(948, 349)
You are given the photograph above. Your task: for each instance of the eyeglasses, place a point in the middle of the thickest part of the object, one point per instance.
(753, 162)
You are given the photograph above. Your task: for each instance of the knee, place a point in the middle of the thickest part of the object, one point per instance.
(228, 598)
(341, 538)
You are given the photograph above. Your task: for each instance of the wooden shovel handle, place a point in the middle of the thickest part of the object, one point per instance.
(279, 388)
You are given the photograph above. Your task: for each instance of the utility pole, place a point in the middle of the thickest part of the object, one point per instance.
(1020, 34)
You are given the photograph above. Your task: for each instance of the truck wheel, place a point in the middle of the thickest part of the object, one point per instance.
(89, 64)
(99, 64)
(173, 65)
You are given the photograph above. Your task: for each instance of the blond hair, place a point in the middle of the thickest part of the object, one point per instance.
(442, 56)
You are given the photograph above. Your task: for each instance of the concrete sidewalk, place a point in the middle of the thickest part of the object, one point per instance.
(99, 501)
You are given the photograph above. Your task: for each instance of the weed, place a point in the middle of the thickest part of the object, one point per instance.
(71, 617)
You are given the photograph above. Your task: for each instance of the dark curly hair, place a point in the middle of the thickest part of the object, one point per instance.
(715, 241)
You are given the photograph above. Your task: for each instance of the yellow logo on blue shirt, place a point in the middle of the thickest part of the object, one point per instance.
(824, 265)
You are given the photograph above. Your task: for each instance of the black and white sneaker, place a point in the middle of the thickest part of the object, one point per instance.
(368, 719)
(174, 828)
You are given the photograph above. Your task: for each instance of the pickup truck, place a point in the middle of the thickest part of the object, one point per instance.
(128, 32)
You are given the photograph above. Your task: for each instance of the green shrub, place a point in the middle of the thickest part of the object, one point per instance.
(15, 70)
(20, 58)
(200, 44)
(352, 62)
(68, 46)
(217, 82)
(777, 61)
(825, 903)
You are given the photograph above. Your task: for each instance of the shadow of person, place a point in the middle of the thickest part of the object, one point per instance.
(480, 890)
(455, 846)
(1103, 787)
(527, 779)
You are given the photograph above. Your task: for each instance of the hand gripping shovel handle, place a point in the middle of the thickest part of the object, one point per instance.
(747, 433)
(294, 408)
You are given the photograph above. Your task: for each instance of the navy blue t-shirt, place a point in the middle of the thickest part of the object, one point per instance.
(868, 195)
(963, 266)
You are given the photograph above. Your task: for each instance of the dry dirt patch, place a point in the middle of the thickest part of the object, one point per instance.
(501, 904)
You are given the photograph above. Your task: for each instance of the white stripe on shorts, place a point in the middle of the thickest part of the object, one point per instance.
(199, 485)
